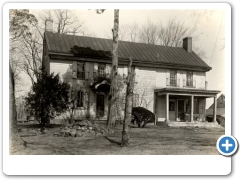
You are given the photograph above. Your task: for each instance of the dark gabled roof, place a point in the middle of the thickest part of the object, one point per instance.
(61, 43)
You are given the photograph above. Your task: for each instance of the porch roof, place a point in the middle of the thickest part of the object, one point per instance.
(181, 91)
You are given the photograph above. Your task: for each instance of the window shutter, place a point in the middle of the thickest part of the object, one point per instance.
(87, 67)
(74, 69)
(178, 79)
(184, 79)
(168, 78)
(89, 70)
(194, 79)
(95, 69)
(108, 70)
(85, 100)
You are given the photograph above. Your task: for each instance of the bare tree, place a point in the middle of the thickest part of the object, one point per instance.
(129, 32)
(31, 53)
(173, 33)
(111, 119)
(149, 33)
(19, 23)
(143, 91)
(129, 103)
(133, 30)
(65, 21)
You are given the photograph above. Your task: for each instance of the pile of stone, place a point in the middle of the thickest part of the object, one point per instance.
(83, 128)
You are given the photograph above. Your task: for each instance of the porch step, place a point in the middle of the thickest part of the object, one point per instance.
(194, 124)
(161, 123)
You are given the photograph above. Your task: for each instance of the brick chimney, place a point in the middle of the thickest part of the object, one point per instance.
(187, 44)
(49, 25)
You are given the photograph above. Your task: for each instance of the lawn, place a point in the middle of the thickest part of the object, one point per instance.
(151, 140)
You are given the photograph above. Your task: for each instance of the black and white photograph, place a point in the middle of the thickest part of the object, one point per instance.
(117, 81)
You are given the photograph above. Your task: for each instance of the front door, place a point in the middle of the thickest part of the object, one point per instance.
(100, 105)
(172, 110)
(181, 109)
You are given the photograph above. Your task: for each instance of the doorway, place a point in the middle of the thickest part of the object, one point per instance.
(181, 109)
(100, 105)
(172, 109)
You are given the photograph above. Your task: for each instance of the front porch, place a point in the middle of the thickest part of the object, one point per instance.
(183, 107)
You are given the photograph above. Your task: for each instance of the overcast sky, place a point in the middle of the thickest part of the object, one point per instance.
(210, 31)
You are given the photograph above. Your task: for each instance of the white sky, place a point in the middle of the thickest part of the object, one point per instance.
(210, 31)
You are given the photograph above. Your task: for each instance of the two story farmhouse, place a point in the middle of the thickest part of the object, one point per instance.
(170, 81)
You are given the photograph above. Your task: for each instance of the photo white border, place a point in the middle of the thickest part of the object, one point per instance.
(110, 164)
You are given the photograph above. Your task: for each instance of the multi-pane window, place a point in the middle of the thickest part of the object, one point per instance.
(81, 70)
(80, 96)
(189, 82)
(173, 78)
(101, 70)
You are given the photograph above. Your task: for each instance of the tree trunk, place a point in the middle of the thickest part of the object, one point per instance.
(113, 88)
(14, 137)
(128, 105)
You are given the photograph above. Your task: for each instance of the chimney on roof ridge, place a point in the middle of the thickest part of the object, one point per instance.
(49, 25)
(187, 44)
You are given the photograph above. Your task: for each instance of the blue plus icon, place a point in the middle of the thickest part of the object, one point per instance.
(227, 145)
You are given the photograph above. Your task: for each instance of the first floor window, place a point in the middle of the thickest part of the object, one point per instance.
(81, 70)
(80, 99)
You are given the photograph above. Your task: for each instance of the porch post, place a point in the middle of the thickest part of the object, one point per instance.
(192, 107)
(167, 107)
(215, 109)
(154, 108)
(176, 109)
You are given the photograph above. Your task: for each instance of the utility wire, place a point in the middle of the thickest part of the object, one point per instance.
(216, 39)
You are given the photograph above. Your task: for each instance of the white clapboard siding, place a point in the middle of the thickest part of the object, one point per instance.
(168, 77)
(194, 79)
(161, 78)
(60, 68)
(90, 69)
(136, 74)
(120, 70)
(125, 71)
(200, 80)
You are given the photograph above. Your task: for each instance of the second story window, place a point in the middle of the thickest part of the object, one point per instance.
(189, 82)
(173, 78)
(101, 70)
(81, 70)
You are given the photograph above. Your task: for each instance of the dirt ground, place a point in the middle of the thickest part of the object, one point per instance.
(151, 140)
